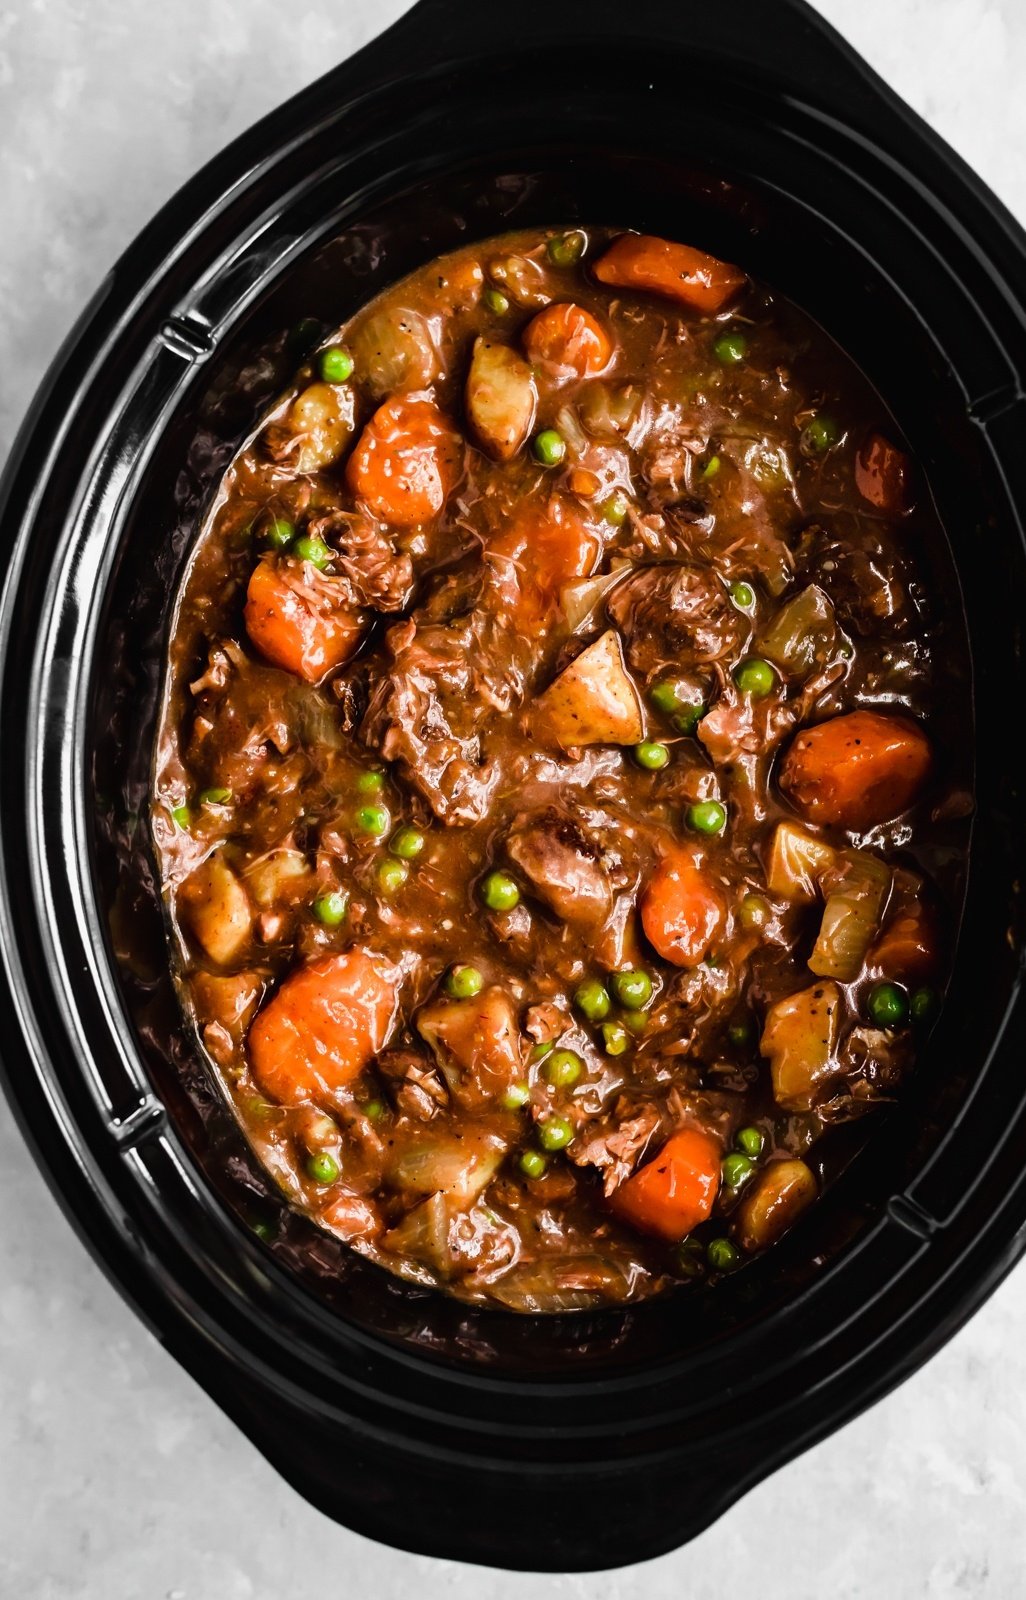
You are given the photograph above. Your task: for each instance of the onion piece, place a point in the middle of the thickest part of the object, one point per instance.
(458, 1168)
(803, 634)
(560, 1283)
(851, 916)
(797, 861)
(579, 601)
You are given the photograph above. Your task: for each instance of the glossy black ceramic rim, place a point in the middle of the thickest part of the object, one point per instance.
(605, 1467)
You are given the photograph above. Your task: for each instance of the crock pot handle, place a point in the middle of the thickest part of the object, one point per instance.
(786, 40)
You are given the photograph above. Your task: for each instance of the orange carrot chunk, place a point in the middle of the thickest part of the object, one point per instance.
(639, 261)
(856, 770)
(673, 1193)
(407, 462)
(544, 546)
(569, 338)
(323, 1026)
(882, 475)
(297, 627)
(681, 912)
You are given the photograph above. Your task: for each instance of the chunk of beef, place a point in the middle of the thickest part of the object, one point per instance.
(430, 711)
(674, 616)
(564, 867)
(419, 1089)
(616, 1144)
(381, 576)
(573, 869)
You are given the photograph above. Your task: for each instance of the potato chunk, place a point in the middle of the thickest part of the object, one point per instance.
(501, 398)
(476, 1043)
(778, 1196)
(593, 701)
(217, 910)
(800, 1039)
(317, 427)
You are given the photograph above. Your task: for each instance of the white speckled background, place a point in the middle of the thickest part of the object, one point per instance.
(119, 1479)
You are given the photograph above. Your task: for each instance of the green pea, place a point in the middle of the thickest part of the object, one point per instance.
(496, 301)
(636, 1021)
(374, 1110)
(632, 987)
(370, 783)
(755, 911)
(407, 844)
(540, 1051)
(265, 1230)
(749, 1140)
(463, 982)
(819, 434)
(391, 875)
(555, 1133)
(533, 1163)
(331, 908)
(707, 816)
(755, 677)
(499, 891)
(730, 348)
(516, 1096)
(313, 550)
(549, 447)
(736, 1169)
(923, 1006)
(615, 509)
(592, 999)
(740, 1032)
(671, 699)
(322, 1167)
(279, 532)
(335, 364)
(888, 1005)
(566, 249)
(711, 467)
(562, 1069)
(374, 820)
(651, 755)
(181, 816)
(687, 721)
(721, 1255)
(214, 797)
(616, 1040)
(743, 596)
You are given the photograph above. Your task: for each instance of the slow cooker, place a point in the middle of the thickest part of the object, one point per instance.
(576, 1441)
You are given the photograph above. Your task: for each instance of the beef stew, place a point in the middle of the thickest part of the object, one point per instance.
(556, 797)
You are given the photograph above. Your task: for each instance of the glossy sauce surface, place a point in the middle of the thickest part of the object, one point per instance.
(555, 763)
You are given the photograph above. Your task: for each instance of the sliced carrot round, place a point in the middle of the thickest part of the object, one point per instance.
(298, 627)
(675, 1191)
(856, 770)
(569, 338)
(681, 911)
(326, 1022)
(641, 261)
(407, 461)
